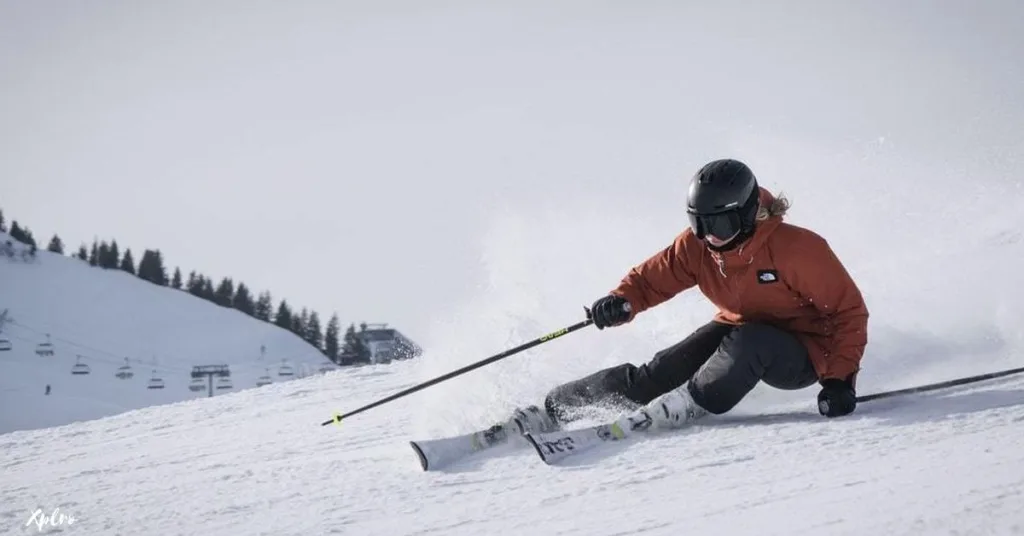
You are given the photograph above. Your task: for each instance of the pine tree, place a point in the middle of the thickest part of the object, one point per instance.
(151, 267)
(207, 293)
(29, 239)
(264, 306)
(83, 253)
(103, 259)
(22, 234)
(243, 300)
(283, 318)
(332, 342)
(16, 232)
(3, 224)
(114, 259)
(314, 332)
(94, 255)
(176, 279)
(160, 272)
(195, 284)
(146, 266)
(331, 338)
(299, 322)
(353, 349)
(56, 245)
(225, 291)
(128, 262)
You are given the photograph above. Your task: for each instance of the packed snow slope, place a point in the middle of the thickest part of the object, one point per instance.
(97, 319)
(258, 462)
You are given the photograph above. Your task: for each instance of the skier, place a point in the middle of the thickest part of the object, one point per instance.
(789, 314)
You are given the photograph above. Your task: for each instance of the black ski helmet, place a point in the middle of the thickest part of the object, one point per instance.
(723, 200)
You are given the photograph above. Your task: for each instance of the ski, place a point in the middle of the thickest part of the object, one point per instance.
(555, 446)
(437, 453)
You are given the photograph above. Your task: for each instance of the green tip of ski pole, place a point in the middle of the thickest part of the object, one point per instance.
(337, 419)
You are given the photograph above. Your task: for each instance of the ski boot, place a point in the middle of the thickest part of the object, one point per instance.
(532, 420)
(669, 411)
(529, 419)
(674, 409)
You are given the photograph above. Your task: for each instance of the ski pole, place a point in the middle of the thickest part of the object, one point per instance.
(539, 340)
(940, 385)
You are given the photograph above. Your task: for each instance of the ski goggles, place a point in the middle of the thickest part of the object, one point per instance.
(721, 225)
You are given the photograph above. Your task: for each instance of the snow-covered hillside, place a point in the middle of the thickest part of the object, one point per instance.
(101, 318)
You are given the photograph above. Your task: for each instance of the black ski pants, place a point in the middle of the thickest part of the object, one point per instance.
(721, 362)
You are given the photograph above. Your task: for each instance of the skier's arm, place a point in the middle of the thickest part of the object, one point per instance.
(819, 277)
(660, 277)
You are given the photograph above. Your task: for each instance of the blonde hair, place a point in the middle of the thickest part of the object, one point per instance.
(780, 205)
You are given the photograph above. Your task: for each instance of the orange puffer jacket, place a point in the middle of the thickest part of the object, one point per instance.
(784, 275)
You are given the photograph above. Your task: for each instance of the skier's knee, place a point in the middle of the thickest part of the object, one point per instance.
(745, 341)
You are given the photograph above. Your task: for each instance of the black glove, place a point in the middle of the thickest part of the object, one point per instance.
(836, 398)
(610, 311)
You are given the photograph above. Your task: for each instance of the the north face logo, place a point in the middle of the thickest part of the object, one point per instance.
(767, 276)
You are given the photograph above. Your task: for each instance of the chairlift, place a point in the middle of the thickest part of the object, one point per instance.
(155, 382)
(223, 383)
(286, 369)
(196, 385)
(5, 345)
(79, 368)
(124, 372)
(45, 348)
(326, 367)
(264, 379)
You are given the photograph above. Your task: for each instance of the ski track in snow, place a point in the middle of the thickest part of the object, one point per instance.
(258, 462)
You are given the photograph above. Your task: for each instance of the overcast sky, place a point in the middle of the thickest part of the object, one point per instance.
(352, 156)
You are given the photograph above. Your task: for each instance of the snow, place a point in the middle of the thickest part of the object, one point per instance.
(257, 462)
(935, 242)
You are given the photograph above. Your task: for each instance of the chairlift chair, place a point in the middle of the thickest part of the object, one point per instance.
(264, 379)
(45, 348)
(124, 372)
(79, 368)
(155, 382)
(223, 383)
(5, 345)
(286, 369)
(196, 385)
